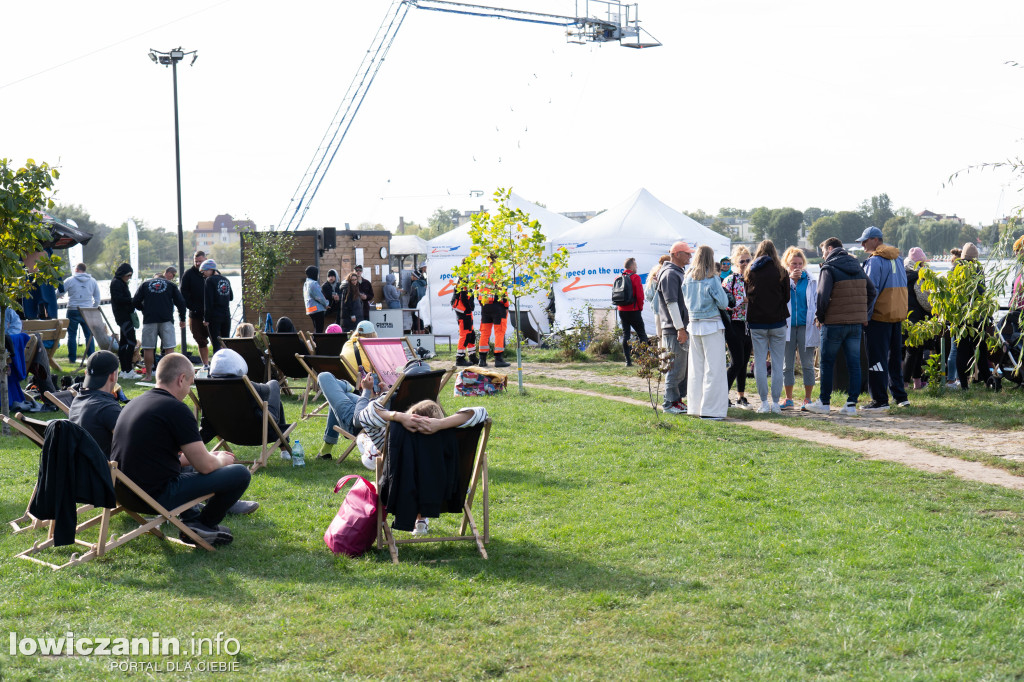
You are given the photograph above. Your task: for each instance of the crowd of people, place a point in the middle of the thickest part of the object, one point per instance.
(348, 303)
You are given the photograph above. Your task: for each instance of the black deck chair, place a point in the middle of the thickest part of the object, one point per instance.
(314, 365)
(256, 359)
(329, 344)
(234, 410)
(283, 349)
(61, 400)
(525, 325)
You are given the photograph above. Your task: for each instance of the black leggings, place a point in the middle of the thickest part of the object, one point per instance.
(631, 319)
(126, 345)
(740, 347)
(318, 321)
(965, 356)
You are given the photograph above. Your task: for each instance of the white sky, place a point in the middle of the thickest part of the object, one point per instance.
(798, 103)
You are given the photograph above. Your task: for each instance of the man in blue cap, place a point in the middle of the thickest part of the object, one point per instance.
(886, 312)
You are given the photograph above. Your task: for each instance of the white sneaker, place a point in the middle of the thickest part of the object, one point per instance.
(286, 455)
(775, 408)
(848, 411)
(130, 375)
(765, 408)
(817, 408)
(422, 527)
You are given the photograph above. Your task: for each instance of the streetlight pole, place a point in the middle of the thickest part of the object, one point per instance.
(171, 59)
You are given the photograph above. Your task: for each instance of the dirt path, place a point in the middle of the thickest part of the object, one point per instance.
(957, 436)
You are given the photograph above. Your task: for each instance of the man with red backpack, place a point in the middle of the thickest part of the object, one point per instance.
(630, 303)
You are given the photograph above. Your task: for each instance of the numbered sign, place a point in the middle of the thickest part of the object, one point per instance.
(388, 322)
(421, 341)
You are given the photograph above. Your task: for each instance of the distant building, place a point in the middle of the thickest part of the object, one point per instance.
(221, 234)
(929, 215)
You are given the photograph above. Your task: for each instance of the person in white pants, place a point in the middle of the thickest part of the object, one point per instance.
(707, 388)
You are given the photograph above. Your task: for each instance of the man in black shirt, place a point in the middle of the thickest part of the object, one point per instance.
(217, 306)
(193, 288)
(365, 292)
(157, 434)
(96, 408)
(157, 298)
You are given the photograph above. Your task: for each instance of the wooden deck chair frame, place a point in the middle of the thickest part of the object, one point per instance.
(282, 349)
(96, 322)
(56, 399)
(314, 365)
(267, 424)
(30, 429)
(250, 352)
(48, 330)
(368, 360)
(104, 543)
(326, 344)
(478, 479)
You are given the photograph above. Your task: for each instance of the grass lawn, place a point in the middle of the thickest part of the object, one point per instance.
(619, 552)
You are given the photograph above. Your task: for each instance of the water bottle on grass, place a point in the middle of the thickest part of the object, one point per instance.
(298, 455)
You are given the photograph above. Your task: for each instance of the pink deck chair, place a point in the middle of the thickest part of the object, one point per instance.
(385, 357)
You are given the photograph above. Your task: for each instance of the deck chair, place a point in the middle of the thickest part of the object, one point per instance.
(34, 430)
(255, 358)
(102, 332)
(283, 349)
(328, 344)
(314, 365)
(228, 406)
(87, 449)
(526, 325)
(384, 357)
(61, 400)
(472, 475)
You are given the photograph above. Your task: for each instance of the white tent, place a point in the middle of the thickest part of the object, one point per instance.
(643, 227)
(448, 250)
(408, 245)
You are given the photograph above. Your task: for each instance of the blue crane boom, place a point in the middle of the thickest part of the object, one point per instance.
(619, 23)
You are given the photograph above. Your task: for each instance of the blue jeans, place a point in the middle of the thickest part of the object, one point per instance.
(394, 305)
(228, 484)
(340, 396)
(765, 340)
(675, 379)
(74, 319)
(848, 337)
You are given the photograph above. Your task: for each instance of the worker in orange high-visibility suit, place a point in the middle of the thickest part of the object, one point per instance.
(463, 304)
(493, 318)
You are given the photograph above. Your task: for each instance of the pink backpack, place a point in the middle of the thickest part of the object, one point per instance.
(354, 527)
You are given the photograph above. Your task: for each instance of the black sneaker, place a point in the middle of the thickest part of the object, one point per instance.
(217, 537)
(875, 406)
(242, 507)
(743, 402)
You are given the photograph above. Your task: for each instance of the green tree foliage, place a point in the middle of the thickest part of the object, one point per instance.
(99, 231)
(23, 190)
(724, 228)
(266, 254)
(907, 237)
(939, 236)
(851, 226)
(760, 218)
(700, 216)
(521, 265)
(823, 228)
(784, 227)
(812, 213)
(876, 210)
(158, 248)
(443, 220)
(891, 229)
(728, 212)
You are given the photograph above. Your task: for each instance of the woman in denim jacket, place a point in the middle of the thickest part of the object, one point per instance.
(707, 389)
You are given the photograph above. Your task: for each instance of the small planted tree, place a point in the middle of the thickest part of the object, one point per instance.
(652, 362)
(23, 190)
(264, 257)
(522, 264)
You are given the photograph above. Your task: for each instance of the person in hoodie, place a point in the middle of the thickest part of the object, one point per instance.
(157, 298)
(674, 321)
(122, 307)
(193, 290)
(886, 312)
(217, 295)
(841, 314)
(392, 296)
(631, 314)
(332, 292)
(767, 285)
(313, 295)
(913, 356)
(83, 292)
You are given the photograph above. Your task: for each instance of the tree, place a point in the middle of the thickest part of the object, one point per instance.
(784, 227)
(266, 254)
(876, 210)
(908, 237)
(369, 227)
(823, 228)
(700, 216)
(23, 191)
(759, 220)
(443, 220)
(851, 226)
(723, 228)
(727, 212)
(521, 263)
(891, 229)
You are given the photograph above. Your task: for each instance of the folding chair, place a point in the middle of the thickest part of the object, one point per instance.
(33, 429)
(526, 325)
(61, 400)
(283, 349)
(102, 332)
(472, 474)
(384, 357)
(255, 358)
(88, 452)
(228, 407)
(314, 365)
(328, 344)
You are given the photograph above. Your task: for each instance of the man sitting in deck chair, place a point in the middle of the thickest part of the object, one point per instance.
(156, 435)
(228, 363)
(96, 408)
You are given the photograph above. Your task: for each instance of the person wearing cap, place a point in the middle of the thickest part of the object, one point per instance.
(674, 319)
(724, 267)
(886, 312)
(121, 306)
(193, 289)
(96, 408)
(156, 438)
(217, 297)
(157, 298)
(365, 292)
(917, 300)
(313, 295)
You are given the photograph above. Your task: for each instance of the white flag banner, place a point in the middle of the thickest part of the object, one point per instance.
(133, 253)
